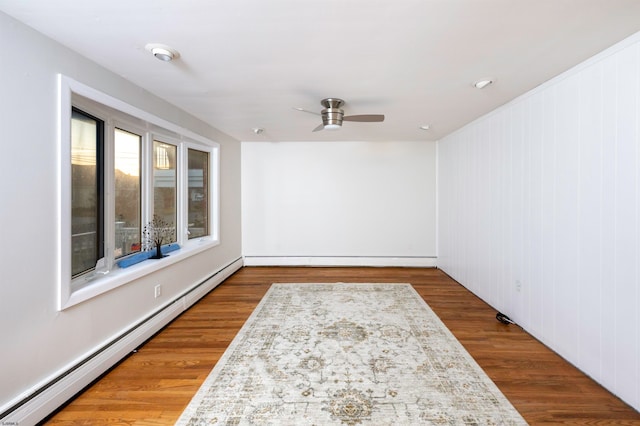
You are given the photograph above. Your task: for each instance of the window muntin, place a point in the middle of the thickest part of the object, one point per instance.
(87, 181)
(198, 193)
(127, 155)
(165, 183)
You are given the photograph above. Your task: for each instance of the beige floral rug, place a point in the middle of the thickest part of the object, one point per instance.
(347, 354)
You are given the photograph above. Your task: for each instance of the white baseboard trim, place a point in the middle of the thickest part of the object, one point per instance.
(415, 262)
(47, 397)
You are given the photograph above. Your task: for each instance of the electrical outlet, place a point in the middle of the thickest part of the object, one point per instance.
(157, 291)
(518, 286)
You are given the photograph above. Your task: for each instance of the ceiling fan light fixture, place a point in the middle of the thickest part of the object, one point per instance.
(332, 127)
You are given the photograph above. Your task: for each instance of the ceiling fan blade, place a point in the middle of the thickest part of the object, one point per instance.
(364, 118)
(320, 127)
(305, 110)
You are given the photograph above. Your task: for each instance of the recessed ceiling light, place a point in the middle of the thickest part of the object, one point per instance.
(425, 127)
(481, 84)
(162, 52)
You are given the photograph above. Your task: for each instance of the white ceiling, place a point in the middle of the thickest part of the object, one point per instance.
(245, 64)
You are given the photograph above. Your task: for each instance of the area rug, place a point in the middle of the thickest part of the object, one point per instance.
(347, 354)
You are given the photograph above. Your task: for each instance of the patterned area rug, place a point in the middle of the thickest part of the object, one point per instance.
(347, 354)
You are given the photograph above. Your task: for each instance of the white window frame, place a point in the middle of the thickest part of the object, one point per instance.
(110, 276)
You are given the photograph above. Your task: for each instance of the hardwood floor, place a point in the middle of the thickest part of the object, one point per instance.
(154, 385)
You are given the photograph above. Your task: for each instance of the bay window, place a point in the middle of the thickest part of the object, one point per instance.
(120, 167)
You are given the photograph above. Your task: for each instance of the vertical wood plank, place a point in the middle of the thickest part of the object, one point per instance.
(626, 280)
(608, 197)
(567, 237)
(590, 278)
(549, 218)
(516, 210)
(637, 303)
(535, 285)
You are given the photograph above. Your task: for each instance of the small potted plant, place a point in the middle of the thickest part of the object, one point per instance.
(155, 233)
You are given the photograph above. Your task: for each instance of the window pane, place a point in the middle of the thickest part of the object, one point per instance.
(165, 184)
(86, 188)
(127, 192)
(198, 193)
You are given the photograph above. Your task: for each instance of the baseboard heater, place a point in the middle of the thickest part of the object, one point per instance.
(344, 261)
(49, 397)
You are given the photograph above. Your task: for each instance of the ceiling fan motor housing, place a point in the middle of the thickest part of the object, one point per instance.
(332, 114)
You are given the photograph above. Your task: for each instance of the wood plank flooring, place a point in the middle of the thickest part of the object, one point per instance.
(154, 385)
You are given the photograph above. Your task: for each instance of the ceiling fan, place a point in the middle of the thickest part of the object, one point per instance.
(333, 116)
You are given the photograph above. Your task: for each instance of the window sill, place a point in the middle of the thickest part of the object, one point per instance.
(146, 255)
(120, 276)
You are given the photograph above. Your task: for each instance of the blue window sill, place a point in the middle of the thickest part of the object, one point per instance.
(144, 255)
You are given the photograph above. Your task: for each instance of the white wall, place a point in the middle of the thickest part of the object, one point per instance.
(545, 192)
(38, 342)
(339, 200)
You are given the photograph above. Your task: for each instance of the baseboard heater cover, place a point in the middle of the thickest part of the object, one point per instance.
(377, 261)
(48, 397)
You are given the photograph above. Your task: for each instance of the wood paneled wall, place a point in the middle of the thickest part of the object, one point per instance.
(539, 207)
